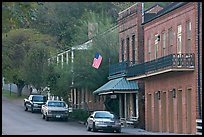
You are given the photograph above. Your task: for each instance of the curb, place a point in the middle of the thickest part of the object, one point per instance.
(81, 122)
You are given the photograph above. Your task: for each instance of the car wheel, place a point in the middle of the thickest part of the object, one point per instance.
(43, 116)
(94, 128)
(26, 109)
(46, 118)
(66, 119)
(87, 127)
(118, 130)
(32, 110)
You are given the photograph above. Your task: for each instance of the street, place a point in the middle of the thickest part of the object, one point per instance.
(16, 121)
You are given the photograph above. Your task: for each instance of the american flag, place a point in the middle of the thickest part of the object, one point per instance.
(97, 61)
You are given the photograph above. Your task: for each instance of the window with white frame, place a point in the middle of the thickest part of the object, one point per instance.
(156, 45)
(170, 40)
(179, 42)
(149, 49)
(163, 43)
(188, 37)
(133, 50)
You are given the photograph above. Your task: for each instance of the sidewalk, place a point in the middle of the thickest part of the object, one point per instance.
(137, 131)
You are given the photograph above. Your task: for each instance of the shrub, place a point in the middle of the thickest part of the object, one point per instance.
(80, 114)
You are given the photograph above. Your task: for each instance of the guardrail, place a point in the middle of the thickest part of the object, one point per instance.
(199, 126)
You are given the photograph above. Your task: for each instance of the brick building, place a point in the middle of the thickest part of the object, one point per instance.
(130, 94)
(172, 68)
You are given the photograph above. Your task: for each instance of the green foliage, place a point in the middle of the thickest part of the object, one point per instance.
(16, 44)
(106, 44)
(80, 115)
(18, 15)
(36, 66)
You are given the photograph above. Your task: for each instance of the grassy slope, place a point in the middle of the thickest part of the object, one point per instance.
(12, 95)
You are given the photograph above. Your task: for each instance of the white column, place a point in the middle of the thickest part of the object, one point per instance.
(67, 57)
(57, 59)
(62, 60)
(49, 61)
(72, 56)
(137, 111)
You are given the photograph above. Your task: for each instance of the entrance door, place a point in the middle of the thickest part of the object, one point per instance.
(112, 104)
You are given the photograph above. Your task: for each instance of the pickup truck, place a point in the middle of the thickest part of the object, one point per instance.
(55, 109)
(34, 102)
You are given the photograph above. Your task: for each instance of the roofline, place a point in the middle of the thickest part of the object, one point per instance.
(154, 6)
(127, 8)
(157, 16)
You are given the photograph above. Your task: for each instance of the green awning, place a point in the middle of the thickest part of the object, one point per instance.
(119, 85)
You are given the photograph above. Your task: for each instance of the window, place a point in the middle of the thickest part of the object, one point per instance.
(149, 49)
(163, 44)
(188, 37)
(179, 44)
(122, 49)
(128, 43)
(133, 50)
(156, 45)
(170, 40)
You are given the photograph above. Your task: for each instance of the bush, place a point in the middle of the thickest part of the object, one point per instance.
(80, 114)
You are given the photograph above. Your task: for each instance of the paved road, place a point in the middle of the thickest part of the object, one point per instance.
(16, 121)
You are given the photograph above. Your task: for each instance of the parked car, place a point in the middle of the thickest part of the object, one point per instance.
(103, 120)
(55, 109)
(34, 102)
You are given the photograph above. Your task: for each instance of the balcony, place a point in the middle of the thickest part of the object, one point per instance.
(117, 70)
(169, 63)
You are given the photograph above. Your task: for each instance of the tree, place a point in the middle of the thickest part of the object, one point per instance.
(18, 15)
(105, 42)
(59, 80)
(36, 66)
(15, 46)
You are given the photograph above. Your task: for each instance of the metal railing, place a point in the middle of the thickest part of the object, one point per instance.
(180, 61)
(199, 126)
(118, 69)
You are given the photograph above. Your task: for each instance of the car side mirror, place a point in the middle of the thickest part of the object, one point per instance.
(91, 116)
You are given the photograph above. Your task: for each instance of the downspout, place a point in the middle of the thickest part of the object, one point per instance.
(199, 102)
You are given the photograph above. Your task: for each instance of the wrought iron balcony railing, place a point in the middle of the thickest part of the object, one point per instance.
(180, 62)
(172, 62)
(117, 70)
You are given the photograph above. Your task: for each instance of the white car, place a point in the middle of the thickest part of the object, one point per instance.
(103, 120)
(55, 109)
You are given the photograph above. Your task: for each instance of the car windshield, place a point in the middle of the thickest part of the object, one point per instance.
(39, 98)
(104, 115)
(56, 104)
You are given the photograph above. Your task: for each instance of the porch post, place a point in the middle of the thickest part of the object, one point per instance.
(120, 106)
(125, 106)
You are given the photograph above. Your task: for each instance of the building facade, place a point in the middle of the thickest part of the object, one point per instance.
(131, 51)
(172, 68)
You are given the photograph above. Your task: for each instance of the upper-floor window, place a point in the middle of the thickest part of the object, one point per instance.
(149, 49)
(163, 43)
(156, 40)
(122, 49)
(188, 37)
(170, 40)
(133, 50)
(179, 42)
(128, 48)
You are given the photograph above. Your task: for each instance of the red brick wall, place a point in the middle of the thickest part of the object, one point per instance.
(178, 80)
(127, 26)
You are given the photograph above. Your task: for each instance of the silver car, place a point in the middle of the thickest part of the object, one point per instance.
(103, 120)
